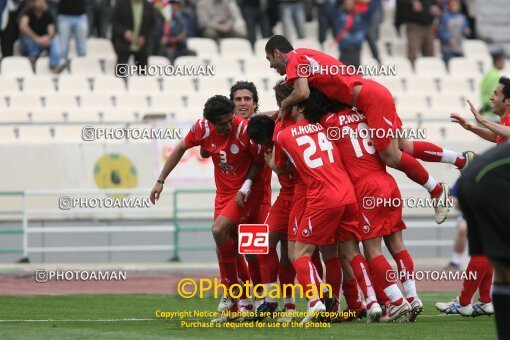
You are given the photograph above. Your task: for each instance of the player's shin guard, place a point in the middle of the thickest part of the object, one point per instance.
(417, 173)
(228, 261)
(361, 270)
(430, 152)
(308, 277)
(334, 274)
(287, 275)
(486, 285)
(501, 301)
(475, 272)
(316, 260)
(405, 267)
(351, 294)
(384, 288)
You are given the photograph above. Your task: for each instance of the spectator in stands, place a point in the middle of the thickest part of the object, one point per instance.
(72, 21)
(216, 20)
(38, 34)
(292, 11)
(132, 27)
(350, 33)
(327, 11)
(373, 17)
(255, 12)
(99, 12)
(418, 15)
(9, 32)
(453, 27)
(490, 81)
(175, 34)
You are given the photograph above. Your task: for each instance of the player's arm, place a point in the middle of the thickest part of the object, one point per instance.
(243, 193)
(496, 128)
(171, 162)
(480, 131)
(300, 93)
(204, 153)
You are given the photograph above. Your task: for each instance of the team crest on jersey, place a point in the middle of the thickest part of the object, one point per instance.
(366, 229)
(234, 149)
(308, 231)
(213, 146)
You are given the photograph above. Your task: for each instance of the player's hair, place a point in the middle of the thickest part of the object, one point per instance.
(217, 105)
(278, 42)
(282, 90)
(497, 56)
(318, 105)
(246, 85)
(260, 128)
(506, 86)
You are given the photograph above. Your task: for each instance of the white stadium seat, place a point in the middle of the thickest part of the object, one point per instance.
(236, 46)
(35, 134)
(109, 85)
(464, 67)
(131, 101)
(213, 85)
(41, 84)
(461, 85)
(448, 102)
(96, 101)
(421, 85)
(430, 67)
(73, 84)
(181, 84)
(144, 85)
(475, 49)
(100, 48)
(8, 86)
(203, 46)
(16, 67)
(25, 101)
(404, 67)
(61, 102)
(158, 60)
(306, 43)
(260, 48)
(86, 66)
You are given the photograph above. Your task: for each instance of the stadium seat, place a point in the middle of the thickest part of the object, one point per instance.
(260, 48)
(409, 99)
(8, 86)
(203, 46)
(417, 85)
(404, 67)
(42, 67)
(213, 85)
(25, 101)
(430, 67)
(68, 134)
(9, 134)
(267, 101)
(183, 84)
(109, 85)
(61, 102)
(82, 115)
(393, 84)
(448, 102)
(226, 66)
(144, 85)
(100, 48)
(96, 101)
(436, 114)
(86, 66)
(73, 84)
(190, 60)
(109, 67)
(399, 48)
(464, 67)
(257, 65)
(236, 46)
(13, 115)
(132, 101)
(168, 101)
(198, 99)
(16, 67)
(46, 116)
(35, 134)
(388, 31)
(312, 30)
(475, 49)
(306, 43)
(40, 84)
(457, 85)
(158, 60)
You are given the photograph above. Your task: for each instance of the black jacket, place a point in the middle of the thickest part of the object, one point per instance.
(122, 21)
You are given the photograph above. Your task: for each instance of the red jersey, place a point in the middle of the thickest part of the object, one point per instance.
(232, 155)
(285, 178)
(318, 163)
(359, 155)
(505, 122)
(324, 72)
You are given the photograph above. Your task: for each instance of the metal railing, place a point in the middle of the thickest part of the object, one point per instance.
(176, 227)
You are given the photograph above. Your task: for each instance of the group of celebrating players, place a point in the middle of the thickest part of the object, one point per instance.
(323, 184)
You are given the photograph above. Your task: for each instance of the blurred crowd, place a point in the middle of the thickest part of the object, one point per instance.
(142, 28)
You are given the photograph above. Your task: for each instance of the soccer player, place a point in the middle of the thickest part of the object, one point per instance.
(305, 68)
(372, 182)
(479, 263)
(331, 212)
(237, 165)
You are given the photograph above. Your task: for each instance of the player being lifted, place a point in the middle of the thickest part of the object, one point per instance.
(307, 67)
(237, 165)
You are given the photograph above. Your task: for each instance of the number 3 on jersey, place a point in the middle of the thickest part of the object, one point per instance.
(324, 145)
(223, 157)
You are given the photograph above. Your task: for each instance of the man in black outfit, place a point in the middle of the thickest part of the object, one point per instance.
(132, 26)
(484, 196)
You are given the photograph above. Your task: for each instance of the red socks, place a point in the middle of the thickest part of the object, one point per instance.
(307, 276)
(242, 269)
(316, 260)
(486, 285)
(228, 259)
(351, 294)
(379, 267)
(287, 275)
(269, 265)
(417, 173)
(478, 265)
(364, 277)
(432, 153)
(405, 265)
(254, 268)
(334, 274)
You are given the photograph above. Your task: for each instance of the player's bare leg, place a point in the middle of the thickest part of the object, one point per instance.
(439, 192)
(405, 264)
(309, 279)
(361, 269)
(287, 276)
(383, 279)
(429, 152)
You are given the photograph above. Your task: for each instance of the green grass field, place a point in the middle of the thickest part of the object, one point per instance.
(133, 316)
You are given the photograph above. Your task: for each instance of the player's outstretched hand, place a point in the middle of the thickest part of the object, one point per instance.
(475, 112)
(456, 118)
(156, 192)
(242, 198)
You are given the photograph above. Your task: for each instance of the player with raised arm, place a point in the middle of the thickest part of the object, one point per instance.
(307, 67)
(237, 165)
